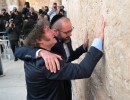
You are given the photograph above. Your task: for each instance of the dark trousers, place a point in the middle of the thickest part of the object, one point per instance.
(13, 45)
(67, 88)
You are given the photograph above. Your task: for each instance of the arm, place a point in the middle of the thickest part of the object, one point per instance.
(79, 51)
(85, 68)
(26, 53)
(70, 71)
(29, 54)
(75, 54)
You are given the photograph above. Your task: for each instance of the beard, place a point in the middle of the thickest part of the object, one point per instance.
(66, 40)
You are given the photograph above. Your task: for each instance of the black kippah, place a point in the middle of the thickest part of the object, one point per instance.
(55, 18)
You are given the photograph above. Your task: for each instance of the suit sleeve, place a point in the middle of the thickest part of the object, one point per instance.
(26, 53)
(75, 54)
(70, 71)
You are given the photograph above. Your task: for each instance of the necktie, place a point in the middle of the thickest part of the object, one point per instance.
(66, 50)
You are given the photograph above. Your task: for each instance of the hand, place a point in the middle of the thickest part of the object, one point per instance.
(51, 60)
(100, 32)
(86, 41)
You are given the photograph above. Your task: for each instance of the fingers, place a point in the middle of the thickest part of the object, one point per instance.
(57, 64)
(46, 63)
(52, 66)
(85, 45)
(86, 37)
(100, 30)
(57, 61)
(52, 62)
(59, 57)
(102, 27)
(102, 24)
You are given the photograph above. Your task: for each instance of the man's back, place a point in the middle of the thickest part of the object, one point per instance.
(42, 84)
(38, 86)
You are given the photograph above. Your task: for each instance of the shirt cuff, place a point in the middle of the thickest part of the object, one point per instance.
(38, 53)
(97, 43)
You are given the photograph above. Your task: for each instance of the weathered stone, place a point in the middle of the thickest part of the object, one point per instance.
(111, 78)
(3, 4)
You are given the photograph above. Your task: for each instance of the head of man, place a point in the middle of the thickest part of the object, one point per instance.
(55, 5)
(63, 29)
(41, 36)
(31, 9)
(46, 9)
(3, 11)
(27, 5)
(62, 7)
(14, 9)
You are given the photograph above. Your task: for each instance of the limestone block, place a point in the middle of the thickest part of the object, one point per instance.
(3, 4)
(111, 78)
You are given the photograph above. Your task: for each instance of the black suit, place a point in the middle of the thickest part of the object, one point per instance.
(44, 85)
(59, 49)
(25, 53)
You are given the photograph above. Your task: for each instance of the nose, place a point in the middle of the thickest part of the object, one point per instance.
(52, 32)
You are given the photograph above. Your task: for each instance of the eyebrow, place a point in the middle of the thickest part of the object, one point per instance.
(70, 29)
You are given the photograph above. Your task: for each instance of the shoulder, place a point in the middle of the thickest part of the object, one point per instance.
(40, 62)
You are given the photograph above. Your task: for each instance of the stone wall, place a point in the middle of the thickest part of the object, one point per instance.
(111, 78)
(3, 4)
(9, 4)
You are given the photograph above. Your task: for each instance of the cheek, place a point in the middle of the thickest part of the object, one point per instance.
(63, 35)
(47, 38)
(55, 41)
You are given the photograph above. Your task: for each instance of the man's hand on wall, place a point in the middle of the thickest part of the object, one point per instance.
(86, 41)
(100, 31)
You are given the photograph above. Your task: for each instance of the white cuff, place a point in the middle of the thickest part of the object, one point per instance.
(37, 53)
(97, 43)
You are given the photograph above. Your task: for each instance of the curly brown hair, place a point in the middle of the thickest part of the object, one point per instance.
(36, 34)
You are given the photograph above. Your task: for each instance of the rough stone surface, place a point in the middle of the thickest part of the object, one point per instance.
(3, 4)
(9, 4)
(111, 78)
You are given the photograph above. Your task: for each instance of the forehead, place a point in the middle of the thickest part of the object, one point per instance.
(66, 25)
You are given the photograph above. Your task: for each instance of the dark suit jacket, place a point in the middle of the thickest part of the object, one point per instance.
(44, 85)
(28, 54)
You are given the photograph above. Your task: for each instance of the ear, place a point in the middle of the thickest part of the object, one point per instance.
(40, 41)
